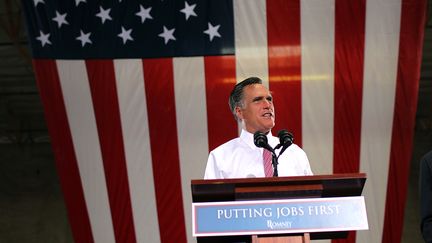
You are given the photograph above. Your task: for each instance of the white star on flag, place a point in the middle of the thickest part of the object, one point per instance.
(78, 2)
(212, 31)
(167, 34)
(43, 38)
(144, 13)
(84, 38)
(60, 19)
(104, 14)
(188, 10)
(38, 1)
(125, 35)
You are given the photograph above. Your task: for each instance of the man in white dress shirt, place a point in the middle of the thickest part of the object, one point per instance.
(252, 106)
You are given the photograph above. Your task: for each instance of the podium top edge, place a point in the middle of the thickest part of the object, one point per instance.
(343, 176)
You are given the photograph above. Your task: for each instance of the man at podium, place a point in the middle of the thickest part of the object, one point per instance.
(252, 106)
(426, 196)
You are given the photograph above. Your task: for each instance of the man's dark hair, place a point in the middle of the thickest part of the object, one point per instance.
(236, 96)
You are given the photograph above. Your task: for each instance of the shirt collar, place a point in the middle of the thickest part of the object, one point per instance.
(248, 138)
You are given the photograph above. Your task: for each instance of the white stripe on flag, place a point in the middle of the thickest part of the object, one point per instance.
(380, 72)
(190, 101)
(250, 26)
(79, 108)
(317, 44)
(134, 121)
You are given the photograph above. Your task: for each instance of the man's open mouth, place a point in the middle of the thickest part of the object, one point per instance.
(268, 114)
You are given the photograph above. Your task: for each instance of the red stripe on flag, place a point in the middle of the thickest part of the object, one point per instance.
(61, 141)
(413, 19)
(159, 86)
(284, 58)
(220, 79)
(349, 59)
(348, 90)
(105, 103)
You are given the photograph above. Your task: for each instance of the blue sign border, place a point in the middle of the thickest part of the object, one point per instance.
(279, 216)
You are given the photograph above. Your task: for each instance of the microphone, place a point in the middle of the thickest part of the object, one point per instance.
(260, 140)
(286, 139)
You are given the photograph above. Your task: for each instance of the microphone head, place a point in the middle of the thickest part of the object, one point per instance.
(285, 137)
(260, 139)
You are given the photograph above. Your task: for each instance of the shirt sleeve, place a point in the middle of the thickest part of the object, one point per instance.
(212, 171)
(304, 162)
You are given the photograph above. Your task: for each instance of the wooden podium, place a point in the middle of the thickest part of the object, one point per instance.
(251, 189)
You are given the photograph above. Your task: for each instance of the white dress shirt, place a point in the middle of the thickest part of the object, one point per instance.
(240, 158)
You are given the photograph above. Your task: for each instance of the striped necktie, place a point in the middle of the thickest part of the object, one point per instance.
(267, 160)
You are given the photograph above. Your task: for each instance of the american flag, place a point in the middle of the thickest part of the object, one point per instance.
(135, 96)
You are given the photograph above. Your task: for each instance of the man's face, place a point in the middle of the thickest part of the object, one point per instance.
(257, 112)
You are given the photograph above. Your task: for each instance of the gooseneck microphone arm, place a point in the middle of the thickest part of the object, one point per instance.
(275, 163)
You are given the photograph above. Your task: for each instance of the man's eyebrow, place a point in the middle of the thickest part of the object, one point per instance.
(258, 98)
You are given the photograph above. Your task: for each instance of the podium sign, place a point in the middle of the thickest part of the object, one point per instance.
(261, 217)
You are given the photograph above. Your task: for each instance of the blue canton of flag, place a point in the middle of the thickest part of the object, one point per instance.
(129, 29)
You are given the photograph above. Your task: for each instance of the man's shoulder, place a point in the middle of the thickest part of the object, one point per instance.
(229, 145)
(427, 158)
(429, 155)
(295, 148)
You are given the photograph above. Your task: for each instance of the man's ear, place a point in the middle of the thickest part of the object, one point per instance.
(239, 113)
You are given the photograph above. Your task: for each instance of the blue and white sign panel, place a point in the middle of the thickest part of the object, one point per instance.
(279, 216)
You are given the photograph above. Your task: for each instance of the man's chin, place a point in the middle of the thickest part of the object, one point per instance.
(268, 128)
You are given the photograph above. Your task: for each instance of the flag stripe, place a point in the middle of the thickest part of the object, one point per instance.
(283, 26)
(349, 59)
(159, 86)
(317, 35)
(251, 43)
(220, 77)
(106, 108)
(133, 112)
(61, 141)
(189, 86)
(382, 33)
(413, 18)
(81, 117)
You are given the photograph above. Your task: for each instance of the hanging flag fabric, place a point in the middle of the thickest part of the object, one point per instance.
(136, 95)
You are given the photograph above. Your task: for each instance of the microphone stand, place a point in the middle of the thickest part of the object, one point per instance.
(275, 158)
(275, 163)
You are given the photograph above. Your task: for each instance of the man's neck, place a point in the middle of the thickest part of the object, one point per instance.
(253, 132)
